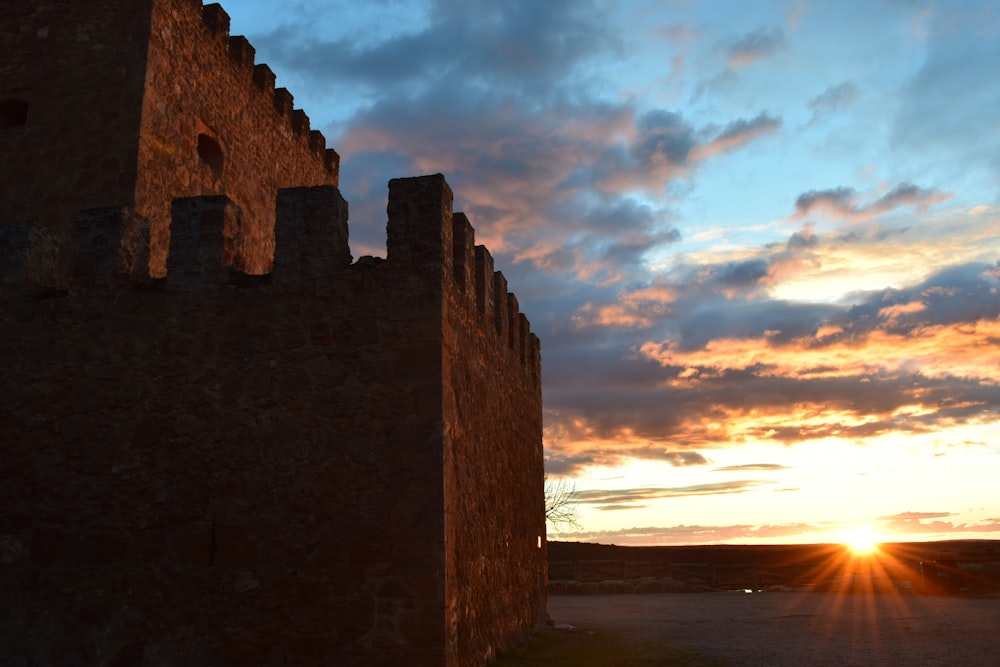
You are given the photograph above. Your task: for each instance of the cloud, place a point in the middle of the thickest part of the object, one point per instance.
(499, 98)
(620, 498)
(944, 121)
(612, 452)
(914, 516)
(515, 45)
(658, 535)
(834, 99)
(896, 361)
(906, 524)
(657, 346)
(554, 189)
(906, 194)
(752, 466)
(702, 356)
(561, 465)
(761, 43)
(737, 134)
(842, 202)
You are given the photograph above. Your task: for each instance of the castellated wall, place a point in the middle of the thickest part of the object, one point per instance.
(334, 463)
(135, 104)
(222, 442)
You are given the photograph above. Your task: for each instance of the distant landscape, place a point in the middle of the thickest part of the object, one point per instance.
(946, 567)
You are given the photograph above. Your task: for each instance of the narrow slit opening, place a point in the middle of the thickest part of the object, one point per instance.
(211, 154)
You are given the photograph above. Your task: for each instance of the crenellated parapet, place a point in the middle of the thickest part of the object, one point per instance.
(212, 245)
(242, 54)
(426, 236)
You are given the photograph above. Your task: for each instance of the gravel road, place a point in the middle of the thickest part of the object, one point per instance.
(801, 628)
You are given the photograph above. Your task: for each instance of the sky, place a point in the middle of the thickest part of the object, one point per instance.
(759, 240)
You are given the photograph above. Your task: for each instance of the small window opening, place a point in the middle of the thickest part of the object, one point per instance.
(211, 154)
(13, 113)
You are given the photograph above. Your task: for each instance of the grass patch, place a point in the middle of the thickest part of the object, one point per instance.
(582, 647)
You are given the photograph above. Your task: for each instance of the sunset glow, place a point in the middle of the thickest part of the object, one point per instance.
(759, 242)
(862, 541)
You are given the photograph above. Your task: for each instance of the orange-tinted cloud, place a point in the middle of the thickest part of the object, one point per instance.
(965, 350)
(733, 371)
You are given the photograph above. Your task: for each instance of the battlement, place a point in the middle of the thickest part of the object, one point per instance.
(212, 244)
(242, 54)
(424, 235)
(137, 105)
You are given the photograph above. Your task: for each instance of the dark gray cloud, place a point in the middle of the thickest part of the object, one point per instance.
(741, 274)
(520, 46)
(663, 135)
(564, 464)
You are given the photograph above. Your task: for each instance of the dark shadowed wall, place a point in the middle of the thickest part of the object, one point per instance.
(222, 441)
(336, 460)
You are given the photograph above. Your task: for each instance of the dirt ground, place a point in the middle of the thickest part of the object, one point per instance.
(800, 628)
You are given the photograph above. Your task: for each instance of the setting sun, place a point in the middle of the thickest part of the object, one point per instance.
(862, 541)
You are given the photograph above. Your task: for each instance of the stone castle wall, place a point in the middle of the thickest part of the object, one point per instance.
(495, 550)
(227, 130)
(136, 104)
(490, 473)
(74, 140)
(222, 441)
(339, 460)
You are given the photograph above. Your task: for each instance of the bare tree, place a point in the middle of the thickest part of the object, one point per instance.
(560, 502)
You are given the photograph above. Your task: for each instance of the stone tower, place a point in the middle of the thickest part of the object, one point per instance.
(139, 103)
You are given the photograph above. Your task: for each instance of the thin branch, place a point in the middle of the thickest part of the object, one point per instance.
(560, 502)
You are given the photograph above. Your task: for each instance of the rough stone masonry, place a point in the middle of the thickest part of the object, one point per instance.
(222, 440)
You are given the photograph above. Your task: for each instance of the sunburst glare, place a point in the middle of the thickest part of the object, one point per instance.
(862, 540)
